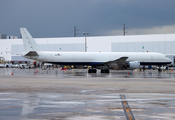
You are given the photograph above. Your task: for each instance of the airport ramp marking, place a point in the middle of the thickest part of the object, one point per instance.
(126, 108)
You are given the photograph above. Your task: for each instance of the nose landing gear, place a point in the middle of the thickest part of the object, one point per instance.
(159, 69)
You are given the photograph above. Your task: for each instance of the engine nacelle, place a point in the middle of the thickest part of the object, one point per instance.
(133, 65)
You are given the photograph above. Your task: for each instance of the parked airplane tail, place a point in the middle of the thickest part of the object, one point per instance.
(28, 41)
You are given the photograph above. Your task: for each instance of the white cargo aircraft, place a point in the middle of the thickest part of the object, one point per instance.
(97, 60)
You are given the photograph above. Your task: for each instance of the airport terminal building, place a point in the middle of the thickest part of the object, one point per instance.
(161, 43)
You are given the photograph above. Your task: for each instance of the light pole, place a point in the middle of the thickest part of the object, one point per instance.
(85, 33)
(124, 29)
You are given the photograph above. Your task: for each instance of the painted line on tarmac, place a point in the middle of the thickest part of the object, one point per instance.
(126, 108)
(128, 113)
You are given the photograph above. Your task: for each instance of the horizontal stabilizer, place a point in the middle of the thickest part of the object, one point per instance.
(14, 53)
(32, 53)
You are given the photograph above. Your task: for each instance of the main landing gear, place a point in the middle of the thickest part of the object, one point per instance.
(95, 70)
(92, 70)
(104, 70)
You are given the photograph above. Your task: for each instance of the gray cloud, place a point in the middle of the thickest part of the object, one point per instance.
(56, 18)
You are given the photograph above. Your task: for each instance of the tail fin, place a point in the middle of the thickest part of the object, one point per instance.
(28, 41)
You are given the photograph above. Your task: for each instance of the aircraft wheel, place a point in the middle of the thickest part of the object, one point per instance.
(107, 71)
(104, 70)
(89, 71)
(159, 70)
(94, 70)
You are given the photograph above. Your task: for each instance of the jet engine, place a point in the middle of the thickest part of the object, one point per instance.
(132, 65)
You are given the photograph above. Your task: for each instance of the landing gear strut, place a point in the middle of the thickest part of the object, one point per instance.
(159, 69)
(142, 68)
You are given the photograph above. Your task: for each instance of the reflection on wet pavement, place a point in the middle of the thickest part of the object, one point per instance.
(82, 73)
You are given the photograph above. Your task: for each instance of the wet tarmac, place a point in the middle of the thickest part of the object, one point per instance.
(35, 94)
(82, 73)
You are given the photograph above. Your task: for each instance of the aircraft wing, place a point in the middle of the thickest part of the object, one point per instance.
(30, 53)
(119, 61)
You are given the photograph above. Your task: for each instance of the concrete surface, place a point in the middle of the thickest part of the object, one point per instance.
(77, 95)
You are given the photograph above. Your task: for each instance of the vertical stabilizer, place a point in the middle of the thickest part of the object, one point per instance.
(28, 41)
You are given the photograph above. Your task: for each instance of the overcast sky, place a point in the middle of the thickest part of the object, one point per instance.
(57, 18)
